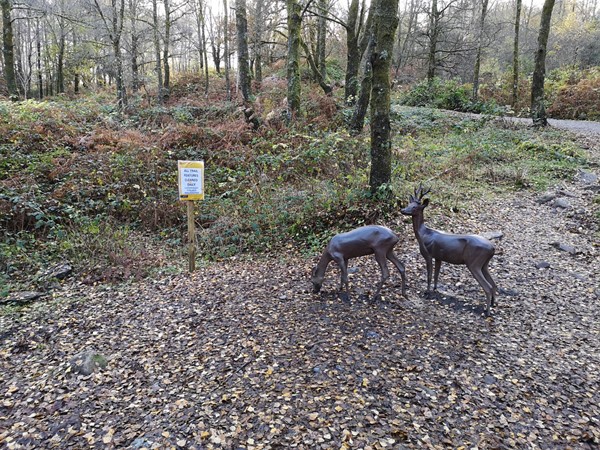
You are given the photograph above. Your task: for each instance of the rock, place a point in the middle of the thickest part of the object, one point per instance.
(491, 235)
(546, 198)
(593, 188)
(587, 177)
(542, 265)
(564, 248)
(87, 362)
(22, 298)
(489, 379)
(59, 272)
(562, 203)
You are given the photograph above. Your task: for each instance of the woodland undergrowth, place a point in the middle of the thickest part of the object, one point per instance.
(84, 183)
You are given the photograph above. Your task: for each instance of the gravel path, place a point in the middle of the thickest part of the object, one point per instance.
(576, 126)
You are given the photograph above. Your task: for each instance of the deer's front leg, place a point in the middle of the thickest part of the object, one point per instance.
(343, 265)
(429, 271)
(438, 264)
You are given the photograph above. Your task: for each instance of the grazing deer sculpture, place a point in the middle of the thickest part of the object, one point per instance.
(471, 250)
(367, 240)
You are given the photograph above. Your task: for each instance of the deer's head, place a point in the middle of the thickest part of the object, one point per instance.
(417, 202)
(317, 280)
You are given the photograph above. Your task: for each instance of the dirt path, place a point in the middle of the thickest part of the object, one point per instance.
(576, 126)
(242, 355)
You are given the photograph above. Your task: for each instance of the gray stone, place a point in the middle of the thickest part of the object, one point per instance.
(593, 188)
(59, 272)
(546, 198)
(587, 177)
(87, 362)
(562, 203)
(542, 265)
(22, 298)
(564, 248)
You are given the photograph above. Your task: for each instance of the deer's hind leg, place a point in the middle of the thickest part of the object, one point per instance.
(394, 259)
(385, 273)
(477, 272)
(488, 277)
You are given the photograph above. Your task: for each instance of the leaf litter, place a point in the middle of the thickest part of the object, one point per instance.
(241, 354)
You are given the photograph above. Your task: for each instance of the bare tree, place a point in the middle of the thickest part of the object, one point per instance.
(538, 109)
(480, 32)
(515, 64)
(8, 49)
(294, 22)
(242, 49)
(157, 52)
(385, 22)
(226, 47)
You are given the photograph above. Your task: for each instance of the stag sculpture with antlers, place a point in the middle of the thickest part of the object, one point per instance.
(468, 249)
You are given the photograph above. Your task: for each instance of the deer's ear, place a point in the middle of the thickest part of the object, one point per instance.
(425, 202)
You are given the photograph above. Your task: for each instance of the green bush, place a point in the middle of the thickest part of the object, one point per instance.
(445, 94)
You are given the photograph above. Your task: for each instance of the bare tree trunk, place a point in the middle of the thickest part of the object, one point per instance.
(201, 25)
(226, 46)
(40, 78)
(362, 105)
(433, 41)
(135, 72)
(538, 109)
(242, 47)
(476, 69)
(409, 38)
(76, 74)
(60, 57)
(318, 75)
(258, 33)
(515, 65)
(158, 64)
(294, 22)
(8, 49)
(166, 46)
(321, 39)
(353, 26)
(385, 21)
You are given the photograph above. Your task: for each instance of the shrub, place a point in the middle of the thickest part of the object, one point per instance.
(445, 94)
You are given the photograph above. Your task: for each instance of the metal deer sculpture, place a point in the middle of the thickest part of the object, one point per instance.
(471, 250)
(367, 240)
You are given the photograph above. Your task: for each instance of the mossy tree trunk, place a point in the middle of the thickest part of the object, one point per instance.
(353, 25)
(364, 96)
(241, 23)
(538, 109)
(323, 6)
(385, 21)
(477, 68)
(294, 23)
(257, 44)
(166, 50)
(515, 65)
(8, 49)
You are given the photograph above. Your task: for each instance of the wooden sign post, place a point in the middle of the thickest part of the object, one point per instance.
(190, 175)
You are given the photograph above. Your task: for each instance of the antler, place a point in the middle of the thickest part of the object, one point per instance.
(421, 192)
